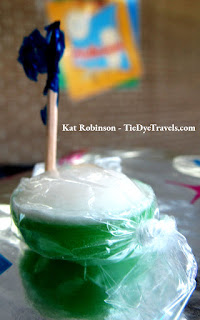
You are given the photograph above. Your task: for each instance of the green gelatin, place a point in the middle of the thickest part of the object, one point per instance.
(60, 289)
(109, 276)
(63, 289)
(89, 241)
(92, 243)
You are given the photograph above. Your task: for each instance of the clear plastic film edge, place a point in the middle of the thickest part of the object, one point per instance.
(135, 255)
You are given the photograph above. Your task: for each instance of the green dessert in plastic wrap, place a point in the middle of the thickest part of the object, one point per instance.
(83, 213)
(107, 227)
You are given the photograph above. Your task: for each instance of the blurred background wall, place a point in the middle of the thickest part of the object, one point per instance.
(169, 92)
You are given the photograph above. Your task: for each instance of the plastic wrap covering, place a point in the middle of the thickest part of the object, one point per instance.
(82, 213)
(121, 260)
(154, 283)
(157, 282)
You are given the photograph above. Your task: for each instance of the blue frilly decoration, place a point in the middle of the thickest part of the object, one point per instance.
(32, 55)
(43, 115)
(40, 54)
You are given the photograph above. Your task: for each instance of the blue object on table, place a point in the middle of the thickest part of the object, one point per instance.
(4, 264)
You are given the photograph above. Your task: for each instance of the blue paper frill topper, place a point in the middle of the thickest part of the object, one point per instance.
(40, 54)
(55, 49)
(32, 55)
(43, 115)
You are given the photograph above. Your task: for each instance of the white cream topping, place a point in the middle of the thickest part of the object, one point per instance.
(80, 193)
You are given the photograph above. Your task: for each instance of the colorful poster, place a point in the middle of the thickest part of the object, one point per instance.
(101, 44)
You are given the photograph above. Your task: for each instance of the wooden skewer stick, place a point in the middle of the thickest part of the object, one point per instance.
(51, 133)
